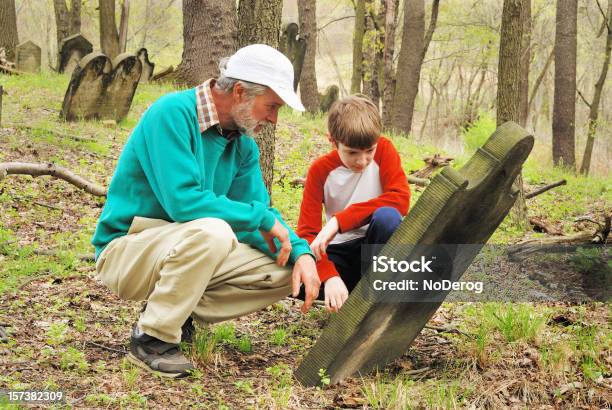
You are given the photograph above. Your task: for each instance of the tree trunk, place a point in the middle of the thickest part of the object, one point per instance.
(259, 21)
(388, 90)
(309, 91)
(109, 38)
(594, 107)
(564, 107)
(538, 81)
(525, 62)
(358, 46)
(67, 22)
(410, 59)
(508, 94)
(209, 33)
(8, 34)
(371, 43)
(123, 25)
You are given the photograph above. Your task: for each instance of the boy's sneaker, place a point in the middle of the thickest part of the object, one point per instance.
(157, 356)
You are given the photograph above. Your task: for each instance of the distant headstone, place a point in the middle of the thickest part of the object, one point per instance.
(147, 65)
(100, 89)
(294, 47)
(329, 97)
(72, 50)
(28, 57)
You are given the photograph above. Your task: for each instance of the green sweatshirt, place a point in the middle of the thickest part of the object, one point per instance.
(169, 170)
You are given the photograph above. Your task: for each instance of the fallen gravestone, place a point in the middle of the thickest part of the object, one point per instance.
(147, 65)
(458, 207)
(100, 89)
(294, 47)
(28, 57)
(72, 50)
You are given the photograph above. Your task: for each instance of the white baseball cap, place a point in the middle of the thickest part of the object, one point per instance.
(262, 64)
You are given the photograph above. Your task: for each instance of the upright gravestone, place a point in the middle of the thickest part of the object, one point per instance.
(100, 89)
(294, 47)
(147, 65)
(458, 207)
(72, 50)
(28, 57)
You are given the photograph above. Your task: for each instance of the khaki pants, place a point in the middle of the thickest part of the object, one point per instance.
(196, 267)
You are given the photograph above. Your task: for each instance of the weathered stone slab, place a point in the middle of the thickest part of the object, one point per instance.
(147, 65)
(458, 207)
(72, 50)
(294, 47)
(28, 57)
(101, 90)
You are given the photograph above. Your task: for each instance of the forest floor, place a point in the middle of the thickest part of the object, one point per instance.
(67, 332)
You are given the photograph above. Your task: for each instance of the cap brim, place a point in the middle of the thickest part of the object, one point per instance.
(289, 97)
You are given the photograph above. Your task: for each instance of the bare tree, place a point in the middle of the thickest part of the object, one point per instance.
(308, 79)
(564, 107)
(415, 42)
(388, 90)
(209, 33)
(259, 21)
(511, 73)
(599, 85)
(67, 21)
(8, 34)
(109, 37)
(371, 57)
(358, 46)
(525, 63)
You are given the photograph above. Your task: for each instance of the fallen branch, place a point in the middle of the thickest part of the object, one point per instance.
(87, 257)
(523, 249)
(25, 168)
(545, 188)
(432, 163)
(110, 349)
(543, 226)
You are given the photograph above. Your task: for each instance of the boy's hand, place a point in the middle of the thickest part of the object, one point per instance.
(319, 244)
(336, 293)
(281, 233)
(305, 271)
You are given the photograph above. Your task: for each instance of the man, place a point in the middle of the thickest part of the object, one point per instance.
(187, 224)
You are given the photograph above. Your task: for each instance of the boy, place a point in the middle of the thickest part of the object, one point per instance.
(365, 193)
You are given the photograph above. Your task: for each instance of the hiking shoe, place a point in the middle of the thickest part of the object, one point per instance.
(187, 331)
(158, 357)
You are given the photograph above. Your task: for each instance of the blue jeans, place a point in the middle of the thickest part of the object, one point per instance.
(346, 256)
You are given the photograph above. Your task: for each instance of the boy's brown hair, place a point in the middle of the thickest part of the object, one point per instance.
(354, 121)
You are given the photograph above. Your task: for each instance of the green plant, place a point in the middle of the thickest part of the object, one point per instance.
(130, 373)
(57, 334)
(324, 378)
(516, 322)
(278, 337)
(244, 344)
(477, 134)
(204, 344)
(280, 385)
(245, 385)
(73, 359)
(382, 393)
(225, 332)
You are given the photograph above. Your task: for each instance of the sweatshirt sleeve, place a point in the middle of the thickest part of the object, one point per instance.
(396, 192)
(248, 186)
(172, 171)
(309, 222)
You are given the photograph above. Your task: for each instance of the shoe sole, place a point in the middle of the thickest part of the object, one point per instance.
(136, 361)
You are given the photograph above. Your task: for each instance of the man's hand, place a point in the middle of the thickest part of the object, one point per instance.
(319, 244)
(305, 271)
(336, 293)
(281, 233)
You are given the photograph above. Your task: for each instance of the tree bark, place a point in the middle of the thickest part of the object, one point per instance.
(358, 46)
(564, 107)
(259, 21)
(109, 38)
(388, 90)
(123, 25)
(538, 80)
(8, 34)
(410, 59)
(371, 41)
(594, 107)
(309, 91)
(525, 62)
(508, 94)
(209, 33)
(67, 22)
